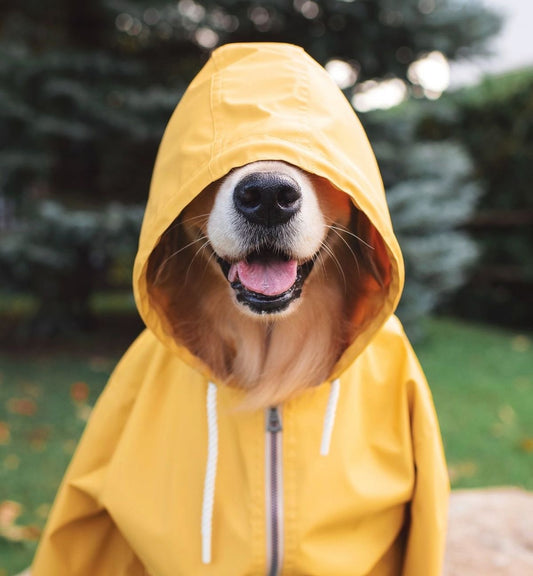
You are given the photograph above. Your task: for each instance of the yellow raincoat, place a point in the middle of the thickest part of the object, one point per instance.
(166, 485)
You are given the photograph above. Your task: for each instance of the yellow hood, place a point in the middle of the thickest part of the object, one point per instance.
(171, 478)
(263, 102)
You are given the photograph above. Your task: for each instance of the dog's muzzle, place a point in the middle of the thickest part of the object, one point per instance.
(268, 279)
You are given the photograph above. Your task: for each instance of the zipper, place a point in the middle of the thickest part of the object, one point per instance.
(274, 490)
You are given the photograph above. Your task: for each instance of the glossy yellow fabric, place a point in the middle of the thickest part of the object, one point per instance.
(131, 501)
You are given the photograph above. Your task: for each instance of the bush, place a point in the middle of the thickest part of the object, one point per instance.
(494, 121)
(62, 256)
(431, 194)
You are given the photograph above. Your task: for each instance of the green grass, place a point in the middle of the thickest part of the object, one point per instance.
(482, 381)
(40, 434)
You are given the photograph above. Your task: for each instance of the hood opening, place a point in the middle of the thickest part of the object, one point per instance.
(191, 295)
(235, 113)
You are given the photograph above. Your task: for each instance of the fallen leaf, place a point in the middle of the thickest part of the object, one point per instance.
(506, 414)
(520, 343)
(5, 433)
(43, 510)
(526, 445)
(9, 512)
(22, 406)
(523, 384)
(11, 462)
(498, 429)
(79, 392)
(69, 446)
(20, 533)
(83, 411)
(460, 470)
(38, 438)
(32, 389)
(100, 364)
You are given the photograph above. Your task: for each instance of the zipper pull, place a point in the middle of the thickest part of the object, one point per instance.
(274, 420)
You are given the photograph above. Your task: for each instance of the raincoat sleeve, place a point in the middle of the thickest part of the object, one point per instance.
(429, 505)
(81, 538)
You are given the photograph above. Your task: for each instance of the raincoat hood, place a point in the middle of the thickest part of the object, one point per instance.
(347, 478)
(263, 102)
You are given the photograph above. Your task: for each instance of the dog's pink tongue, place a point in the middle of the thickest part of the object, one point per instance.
(270, 277)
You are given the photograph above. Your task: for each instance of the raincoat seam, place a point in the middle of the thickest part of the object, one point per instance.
(306, 99)
(215, 94)
(212, 95)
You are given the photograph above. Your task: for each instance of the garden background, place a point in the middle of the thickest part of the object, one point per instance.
(86, 89)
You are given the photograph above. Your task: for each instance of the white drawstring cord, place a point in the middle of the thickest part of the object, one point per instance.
(329, 417)
(212, 457)
(210, 472)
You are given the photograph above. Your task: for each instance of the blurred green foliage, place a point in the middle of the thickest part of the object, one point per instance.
(44, 406)
(431, 192)
(494, 121)
(63, 256)
(86, 89)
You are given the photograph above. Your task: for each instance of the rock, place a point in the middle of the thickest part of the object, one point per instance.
(490, 533)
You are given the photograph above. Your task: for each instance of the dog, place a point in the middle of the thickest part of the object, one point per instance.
(272, 418)
(272, 251)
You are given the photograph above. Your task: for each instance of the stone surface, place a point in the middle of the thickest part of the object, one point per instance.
(490, 533)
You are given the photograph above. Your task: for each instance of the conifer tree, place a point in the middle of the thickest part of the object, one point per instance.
(87, 87)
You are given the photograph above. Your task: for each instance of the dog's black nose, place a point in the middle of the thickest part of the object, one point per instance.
(267, 198)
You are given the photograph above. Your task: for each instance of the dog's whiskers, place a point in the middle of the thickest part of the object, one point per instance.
(331, 254)
(320, 264)
(208, 261)
(334, 229)
(202, 218)
(174, 254)
(202, 247)
(337, 228)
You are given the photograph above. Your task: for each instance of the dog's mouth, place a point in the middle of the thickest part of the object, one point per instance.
(266, 281)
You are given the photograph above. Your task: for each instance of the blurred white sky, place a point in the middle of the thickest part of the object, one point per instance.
(513, 48)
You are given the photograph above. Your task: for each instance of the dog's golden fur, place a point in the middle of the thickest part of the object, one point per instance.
(271, 356)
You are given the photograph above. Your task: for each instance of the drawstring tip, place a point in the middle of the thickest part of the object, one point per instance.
(329, 418)
(206, 555)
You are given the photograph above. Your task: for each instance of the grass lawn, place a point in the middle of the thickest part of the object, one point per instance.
(482, 381)
(44, 405)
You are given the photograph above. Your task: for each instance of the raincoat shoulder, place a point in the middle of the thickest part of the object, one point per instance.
(81, 537)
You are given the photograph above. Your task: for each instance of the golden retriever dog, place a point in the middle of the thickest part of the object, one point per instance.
(253, 240)
(272, 418)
